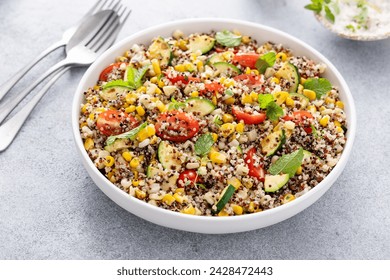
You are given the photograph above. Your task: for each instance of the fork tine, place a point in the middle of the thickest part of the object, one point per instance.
(113, 5)
(96, 7)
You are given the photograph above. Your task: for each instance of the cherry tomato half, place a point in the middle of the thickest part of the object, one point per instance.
(176, 126)
(112, 122)
(246, 59)
(249, 79)
(212, 87)
(298, 117)
(254, 171)
(248, 118)
(104, 75)
(187, 179)
(183, 78)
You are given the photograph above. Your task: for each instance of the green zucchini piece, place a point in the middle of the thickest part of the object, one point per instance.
(112, 93)
(160, 50)
(119, 144)
(273, 183)
(214, 58)
(302, 100)
(273, 142)
(226, 194)
(227, 68)
(202, 43)
(199, 105)
(290, 73)
(152, 171)
(167, 155)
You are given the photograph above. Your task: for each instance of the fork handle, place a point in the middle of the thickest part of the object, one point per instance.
(10, 104)
(4, 88)
(10, 128)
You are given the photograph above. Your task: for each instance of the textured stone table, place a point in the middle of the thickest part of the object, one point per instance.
(51, 209)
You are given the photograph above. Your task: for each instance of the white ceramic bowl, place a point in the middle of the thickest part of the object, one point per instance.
(204, 224)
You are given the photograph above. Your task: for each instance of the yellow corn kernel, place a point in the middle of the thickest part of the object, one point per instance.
(324, 121)
(83, 124)
(228, 82)
(227, 129)
(234, 182)
(96, 87)
(281, 97)
(300, 89)
(142, 135)
(91, 116)
(228, 55)
(222, 80)
(299, 170)
(180, 68)
(254, 96)
(156, 66)
(135, 182)
(127, 156)
(182, 45)
(247, 71)
(337, 123)
(130, 109)
(141, 89)
(215, 137)
(237, 209)
(154, 80)
(282, 56)
(178, 198)
(246, 39)
(240, 127)
(158, 91)
(89, 144)
(223, 213)
(227, 118)
(168, 199)
(251, 207)
(180, 191)
(110, 175)
(288, 197)
(139, 194)
(109, 161)
(289, 101)
(161, 106)
(131, 98)
(190, 210)
(135, 174)
(140, 110)
(153, 140)
(217, 157)
(236, 32)
(134, 163)
(189, 66)
(275, 80)
(151, 130)
(230, 100)
(329, 100)
(312, 108)
(340, 104)
(322, 108)
(303, 80)
(199, 65)
(309, 94)
(161, 84)
(84, 108)
(255, 72)
(194, 93)
(339, 129)
(127, 54)
(246, 99)
(214, 100)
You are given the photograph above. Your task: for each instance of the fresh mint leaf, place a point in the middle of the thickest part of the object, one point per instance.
(265, 61)
(350, 27)
(320, 86)
(274, 111)
(175, 105)
(264, 100)
(218, 121)
(329, 15)
(204, 144)
(287, 164)
(117, 83)
(134, 76)
(228, 39)
(132, 134)
(316, 7)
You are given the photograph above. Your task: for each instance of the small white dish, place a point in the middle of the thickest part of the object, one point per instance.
(203, 224)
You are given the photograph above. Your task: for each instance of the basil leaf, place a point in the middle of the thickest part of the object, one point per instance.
(321, 86)
(329, 15)
(264, 100)
(287, 164)
(228, 39)
(117, 83)
(265, 61)
(132, 134)
(204, 144)
(274, 111)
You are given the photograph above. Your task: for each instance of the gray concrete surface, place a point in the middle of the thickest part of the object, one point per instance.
(51, 209)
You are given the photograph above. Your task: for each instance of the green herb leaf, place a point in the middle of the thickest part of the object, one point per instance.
(175, 105)
(132, 134)
(287, 164)
(314, 131)
(217, 120)
(117, 83)
(229, 92)
(316, 7)
(265, 61)
(321, 86)
(274, 111)
(134, 76)
(204, 144)
(350, 27)
(264, 100)
(329, 15)
(228, 39)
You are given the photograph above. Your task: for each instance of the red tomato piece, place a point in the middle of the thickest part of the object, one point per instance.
(176, 126)
(212, 87)
(254, 171)
(250, 79)
(298, 117)
(183, 78)
(113, 122)
(188, 178)
(246, 59)
(104, 75)
(248, 118)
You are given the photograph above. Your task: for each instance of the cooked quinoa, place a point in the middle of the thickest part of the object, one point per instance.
(198, 124)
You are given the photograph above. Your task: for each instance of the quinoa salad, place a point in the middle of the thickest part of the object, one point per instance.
(213, 124)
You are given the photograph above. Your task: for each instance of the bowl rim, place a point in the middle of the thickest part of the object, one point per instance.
(326, 183)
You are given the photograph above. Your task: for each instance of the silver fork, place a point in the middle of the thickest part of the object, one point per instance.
(80, 55)
(66, 36)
